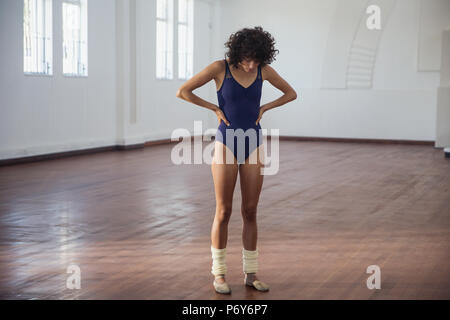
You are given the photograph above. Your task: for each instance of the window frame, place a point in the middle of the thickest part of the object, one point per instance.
(189, 24)
(83, 36)
(46, 38)
(170, 33)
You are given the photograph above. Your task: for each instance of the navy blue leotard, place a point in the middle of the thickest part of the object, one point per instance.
(241, 108)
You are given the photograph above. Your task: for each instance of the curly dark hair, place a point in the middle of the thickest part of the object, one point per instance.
(253, 44)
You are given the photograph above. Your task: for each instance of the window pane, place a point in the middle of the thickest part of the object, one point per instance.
(37, 36)
(161, 39)
(185, 39)
(75, 38)
(164, 39)
(182, 50)
(182, 14)
(161, 9)
(169, 64)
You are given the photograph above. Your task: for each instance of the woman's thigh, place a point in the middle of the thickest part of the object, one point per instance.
(251, 179)
(224, 176)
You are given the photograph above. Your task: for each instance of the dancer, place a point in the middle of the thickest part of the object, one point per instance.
(239, 79)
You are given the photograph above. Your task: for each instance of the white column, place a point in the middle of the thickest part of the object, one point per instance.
(443, 97)
(128, 129)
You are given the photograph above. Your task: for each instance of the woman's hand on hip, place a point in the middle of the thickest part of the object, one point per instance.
(221, 116)
(261, 112)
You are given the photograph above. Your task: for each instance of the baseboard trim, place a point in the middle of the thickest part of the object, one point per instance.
(65, 154)
(359, 140)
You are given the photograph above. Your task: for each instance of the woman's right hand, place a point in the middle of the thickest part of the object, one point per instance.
(221, 116)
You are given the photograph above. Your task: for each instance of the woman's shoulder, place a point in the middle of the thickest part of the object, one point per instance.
(218, 65)
(219, 62)
(267, 71)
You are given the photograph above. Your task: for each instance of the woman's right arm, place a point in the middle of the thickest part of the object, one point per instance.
(207, 74)
(198, 80)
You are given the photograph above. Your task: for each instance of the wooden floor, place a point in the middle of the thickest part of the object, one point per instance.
(139, 227)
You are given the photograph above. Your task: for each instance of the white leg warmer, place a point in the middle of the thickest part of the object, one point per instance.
(250, 261)
(218, 264)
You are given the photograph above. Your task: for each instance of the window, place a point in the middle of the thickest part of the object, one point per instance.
(75, 60)
(37, 37)
(185, 38)
(164, 39)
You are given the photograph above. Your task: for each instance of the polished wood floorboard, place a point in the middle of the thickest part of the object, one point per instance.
(139, 226)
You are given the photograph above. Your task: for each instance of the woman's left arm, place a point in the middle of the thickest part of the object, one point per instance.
(278, 82)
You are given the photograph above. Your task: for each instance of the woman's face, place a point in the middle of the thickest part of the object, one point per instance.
(249, 65)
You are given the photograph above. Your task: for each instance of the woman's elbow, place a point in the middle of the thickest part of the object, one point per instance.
(179, 93)
(293, 95)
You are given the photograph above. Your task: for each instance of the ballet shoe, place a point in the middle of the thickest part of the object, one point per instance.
(257, 284)
(221, 287)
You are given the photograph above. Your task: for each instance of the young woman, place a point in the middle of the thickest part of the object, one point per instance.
(239, 79)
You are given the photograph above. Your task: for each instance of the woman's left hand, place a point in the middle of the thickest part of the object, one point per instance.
(261, 112)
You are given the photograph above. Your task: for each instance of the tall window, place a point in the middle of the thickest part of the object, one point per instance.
(164, 39)
(75, 42)
(37, 37)
(185, 38)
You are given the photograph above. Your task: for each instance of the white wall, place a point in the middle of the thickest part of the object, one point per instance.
(42, 114)
(399, 102)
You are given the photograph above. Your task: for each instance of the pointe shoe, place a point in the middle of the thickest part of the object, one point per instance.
(257, 284)
(221, 287)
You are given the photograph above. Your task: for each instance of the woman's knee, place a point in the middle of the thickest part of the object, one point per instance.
(223, 213)
(249, 213)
